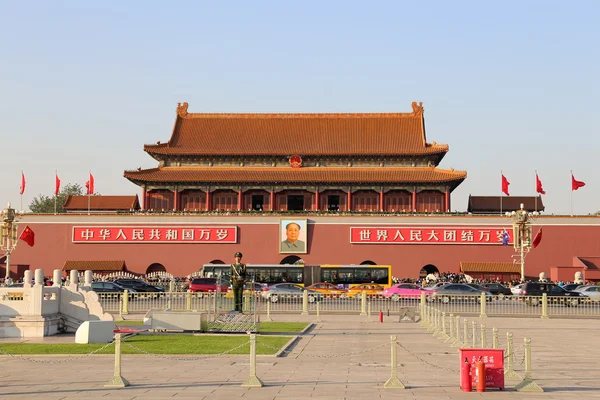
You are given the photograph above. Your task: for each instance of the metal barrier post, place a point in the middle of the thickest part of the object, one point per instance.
(318, 312)
(528, 385)
(483, 337)
(369, 311)
(117, 381)
(269, 310)
(125, 298)
(433, 323)
(451, 326)
(474, 335)
(544, 306)
(121, 308)
(509, 372)
(363, 303)
(465, 333)
(443, 335)
(252, 380)
(457, 342)
(304, 302)
(188, 301)
(495, 338)
(394, 382)
(483, 301)
(171, 286)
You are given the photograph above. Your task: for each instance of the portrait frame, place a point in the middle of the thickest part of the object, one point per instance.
(301, 245)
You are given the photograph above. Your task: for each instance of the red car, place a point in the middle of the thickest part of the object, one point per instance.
(207, 285)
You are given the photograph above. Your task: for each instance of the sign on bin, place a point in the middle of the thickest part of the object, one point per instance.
(494, 365)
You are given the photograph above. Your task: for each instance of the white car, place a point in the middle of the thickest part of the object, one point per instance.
(591, 291)
(516, 290)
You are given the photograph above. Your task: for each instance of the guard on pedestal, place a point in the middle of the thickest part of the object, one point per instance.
(238, 279)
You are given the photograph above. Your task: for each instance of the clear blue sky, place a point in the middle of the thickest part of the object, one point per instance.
(509, 85)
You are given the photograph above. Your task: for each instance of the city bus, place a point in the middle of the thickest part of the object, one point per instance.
(342, 275)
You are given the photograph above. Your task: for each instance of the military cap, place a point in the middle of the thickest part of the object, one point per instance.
(238, 254)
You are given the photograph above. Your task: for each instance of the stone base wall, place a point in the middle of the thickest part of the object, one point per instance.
(29, 326)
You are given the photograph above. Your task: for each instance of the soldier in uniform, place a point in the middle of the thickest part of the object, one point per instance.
(238, 279)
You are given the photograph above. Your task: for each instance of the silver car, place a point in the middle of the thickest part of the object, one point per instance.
(280, 291)
(453, 291)
(591, 291)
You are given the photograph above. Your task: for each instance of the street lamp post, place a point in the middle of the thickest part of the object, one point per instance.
(8, 236)
(522, 234)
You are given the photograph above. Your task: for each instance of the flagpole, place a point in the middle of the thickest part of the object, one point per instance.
(22, 190)
(571, 193)
(501, 192)
(55, 194)
(88, 191)
(536, 194)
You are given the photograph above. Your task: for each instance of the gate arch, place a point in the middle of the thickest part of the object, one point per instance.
(156, 267)
(292, 260)
(428, 269)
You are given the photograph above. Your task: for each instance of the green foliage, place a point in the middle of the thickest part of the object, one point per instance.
(282, 327)
(45, 204)
(157, 344)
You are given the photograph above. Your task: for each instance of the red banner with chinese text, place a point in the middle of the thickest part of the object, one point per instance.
(429, 235)
(155, 234)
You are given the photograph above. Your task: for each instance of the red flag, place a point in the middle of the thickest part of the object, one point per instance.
(505, 184)
(56, 185)
(22, 183)
(27, 236)
(90, 184)
(575, 184)
(537, 239)
(538, 185)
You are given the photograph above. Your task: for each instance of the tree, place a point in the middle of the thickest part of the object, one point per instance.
(45, 204)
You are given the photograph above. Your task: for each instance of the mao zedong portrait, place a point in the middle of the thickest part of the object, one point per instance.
(292, 244)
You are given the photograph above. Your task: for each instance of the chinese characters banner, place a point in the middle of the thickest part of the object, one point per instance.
(429, 235)
(154, 234)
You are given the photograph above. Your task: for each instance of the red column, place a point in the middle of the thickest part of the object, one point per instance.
(144, 198)
(349, 201)
(240, 199)
(175, 200)
(414, 200)
(207, 199)
(317, 200)
(272, 199)
(447, 200)
(381, 200)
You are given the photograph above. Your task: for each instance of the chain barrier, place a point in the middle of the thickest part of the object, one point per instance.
(24, 358)
(425, 361)
(354, 353)
(184, 358)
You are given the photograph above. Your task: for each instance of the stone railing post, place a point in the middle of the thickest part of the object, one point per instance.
(27, 279)
(544, 306)
(304, 302)
(253, 380)
(363, 303)
(125, 297)
(483, 301)
(57, 278)
(188, 301)
(117, 381)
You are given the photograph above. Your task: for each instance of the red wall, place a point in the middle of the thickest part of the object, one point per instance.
(328, 243)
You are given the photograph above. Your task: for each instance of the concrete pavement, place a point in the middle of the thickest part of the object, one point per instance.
(319, 365)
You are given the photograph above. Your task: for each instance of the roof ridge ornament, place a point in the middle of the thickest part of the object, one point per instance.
(417, 108)
(182, 109)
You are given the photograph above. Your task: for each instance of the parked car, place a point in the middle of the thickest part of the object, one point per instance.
(516, 290)
(328, 289)
(138, 285)
(371, 290)
(451, 291)
(249, 287)
(497, 289)
(532, 291)
(280, 290)
(208, 285)
(436, 286)
(406, 291)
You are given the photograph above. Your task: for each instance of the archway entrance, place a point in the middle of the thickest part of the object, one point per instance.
(291, 260)
(156, 267)
(368, 262)
(428, 269)
(217, 262)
